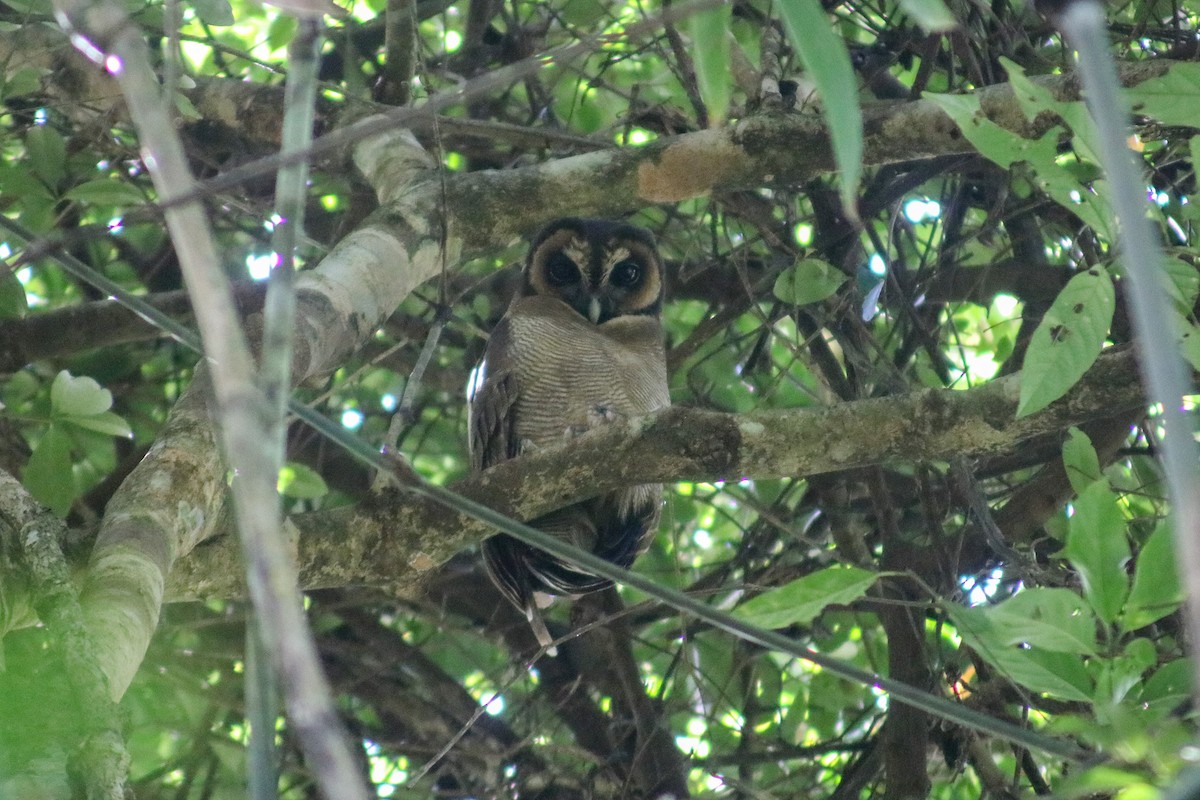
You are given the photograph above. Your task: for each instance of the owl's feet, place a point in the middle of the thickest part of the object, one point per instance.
(602, 415)
(597, 415)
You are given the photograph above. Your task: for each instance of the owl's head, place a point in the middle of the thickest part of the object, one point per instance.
(600, 268)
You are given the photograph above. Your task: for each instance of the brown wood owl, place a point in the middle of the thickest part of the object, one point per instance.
(581, 343)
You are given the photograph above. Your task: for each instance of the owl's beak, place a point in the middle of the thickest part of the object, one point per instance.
(594, 310)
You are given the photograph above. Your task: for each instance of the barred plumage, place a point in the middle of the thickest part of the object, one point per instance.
(582, 342)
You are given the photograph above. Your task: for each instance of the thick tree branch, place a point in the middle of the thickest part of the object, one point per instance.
(402, 536)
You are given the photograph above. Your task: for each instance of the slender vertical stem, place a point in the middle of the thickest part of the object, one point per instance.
(1163, 370)
(245, 412)
(279, 314)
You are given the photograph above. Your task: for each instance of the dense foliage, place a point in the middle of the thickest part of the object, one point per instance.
(1028, 576)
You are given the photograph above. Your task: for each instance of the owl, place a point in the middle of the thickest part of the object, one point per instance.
(582, 343)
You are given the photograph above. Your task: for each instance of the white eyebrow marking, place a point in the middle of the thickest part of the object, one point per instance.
(576, 250)
(616, 256)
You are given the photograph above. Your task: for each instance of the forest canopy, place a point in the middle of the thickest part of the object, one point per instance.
(918, 535)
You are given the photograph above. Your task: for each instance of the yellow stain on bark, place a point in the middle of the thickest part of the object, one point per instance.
(686, 169)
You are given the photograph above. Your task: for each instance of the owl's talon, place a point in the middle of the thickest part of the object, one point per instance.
(602, 414)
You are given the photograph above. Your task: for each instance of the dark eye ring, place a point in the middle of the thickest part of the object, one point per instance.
(561, 270)
(626, 274)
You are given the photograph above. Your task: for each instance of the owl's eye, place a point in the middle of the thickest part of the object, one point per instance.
(561, 270)
(625, 274)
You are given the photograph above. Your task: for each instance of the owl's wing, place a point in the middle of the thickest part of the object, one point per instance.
(492, 431)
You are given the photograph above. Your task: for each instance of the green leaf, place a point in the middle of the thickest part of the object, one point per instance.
(301, 482)
(78, 396)
(998, 145)
(932, 15)
(1059, 674)
(1036, 100)
(218, 13)
(1173, 98)
(827, 62)
(1080, 460)
(1121, 674)
(13, 302)
(1068, 340)
(105, 422)
(24, 81)
(1190, 345)
(800, 601)
(107, 192)
(710, 38)
(1170, 684)
(808, 281)
(1005, 148)
(1050, 619)
(1182, 284)
(47, 153)
(281, 31)
(48, 475)
(1156, 591)
(1098, 549)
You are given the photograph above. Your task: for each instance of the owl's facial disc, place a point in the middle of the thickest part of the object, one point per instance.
(601, 270)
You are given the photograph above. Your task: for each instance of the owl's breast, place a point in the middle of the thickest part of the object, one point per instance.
(566, 367)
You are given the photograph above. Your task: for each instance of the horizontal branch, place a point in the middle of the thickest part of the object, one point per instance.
(403, 535)
(776, 149)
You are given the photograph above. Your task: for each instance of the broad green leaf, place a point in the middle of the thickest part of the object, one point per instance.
(1121, 674)
(800, 601)
(1080, 460)
(582, 13)
(108, 192)
(301, 482)
(25, 7)
(1068, 340)
(998, 145)
(47, 154)
(1170, 684)
(48, 475)
(214, 12)
(1035, 100)
(1059, 674)
(710, 37)
(808, 281)
(24, 81)
(1156, 591)
(78, 396)
(932, 15)
(13, 303)
(1190, 345)
(1050, 619)
(1182, 284)
(1005, 148)
(1173, 98)
(827, 62)
(105, 422)
(281, 31)
(714, 657)
(1098, 549)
